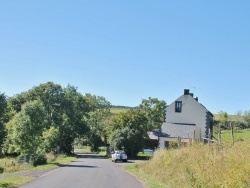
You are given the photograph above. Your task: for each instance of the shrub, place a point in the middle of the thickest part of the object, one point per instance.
(39, 159)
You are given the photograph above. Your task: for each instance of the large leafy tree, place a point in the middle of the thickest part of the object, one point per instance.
(128, 131)
(25, 129)
(65, 111)
(154, 110)
(73, 124)
(52, 96)
(97, 120)
(64, 108)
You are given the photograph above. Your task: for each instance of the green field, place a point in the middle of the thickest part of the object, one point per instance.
(239, 135)
(230, 117)
(118, 110)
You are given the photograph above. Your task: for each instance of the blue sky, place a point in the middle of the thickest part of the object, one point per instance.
(127, 51)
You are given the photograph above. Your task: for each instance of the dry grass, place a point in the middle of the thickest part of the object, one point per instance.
(8, 165)
(202, 166)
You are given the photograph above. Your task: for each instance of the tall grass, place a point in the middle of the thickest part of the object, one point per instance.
(202, 166)
(8, 165)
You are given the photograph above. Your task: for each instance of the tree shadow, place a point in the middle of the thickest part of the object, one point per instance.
(141, 158)
(92, 156)
(75, 166)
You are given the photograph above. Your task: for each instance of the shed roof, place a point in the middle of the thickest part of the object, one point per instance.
(181, 129)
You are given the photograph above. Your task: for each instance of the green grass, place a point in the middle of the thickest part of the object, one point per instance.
(118, 110)
(11, 165)
(239, 135)
(14, 181)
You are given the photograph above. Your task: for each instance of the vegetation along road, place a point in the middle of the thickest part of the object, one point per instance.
(87, 171)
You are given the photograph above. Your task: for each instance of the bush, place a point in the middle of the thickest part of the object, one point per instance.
(39, 159)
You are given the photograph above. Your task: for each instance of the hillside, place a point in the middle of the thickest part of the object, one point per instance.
(217, 117)
(116, 109)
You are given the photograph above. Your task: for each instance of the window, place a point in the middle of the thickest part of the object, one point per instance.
(178, 106)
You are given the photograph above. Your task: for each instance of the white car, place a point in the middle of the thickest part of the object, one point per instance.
(119, 155)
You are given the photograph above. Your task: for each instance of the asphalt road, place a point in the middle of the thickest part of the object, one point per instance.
(87, 171)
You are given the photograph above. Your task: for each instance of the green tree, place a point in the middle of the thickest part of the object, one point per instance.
(53, 97)
(50, 139)
(128, 131)
(25, 129)
(247, 118)
(154, 110)
(3, 104)
(97, 120)
(73, 124)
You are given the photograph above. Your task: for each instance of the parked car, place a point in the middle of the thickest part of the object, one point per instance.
(119, 155)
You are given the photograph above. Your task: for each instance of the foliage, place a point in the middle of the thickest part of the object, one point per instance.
(50, 138)
(97, 120)
(247, 118)
(127, 131)
(115, 111)
(223, 120)
(3, 104)
(154, 110)
(62, 118)
(25, 128)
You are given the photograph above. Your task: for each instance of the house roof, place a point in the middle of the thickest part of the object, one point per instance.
(153, 135)
(178, 130)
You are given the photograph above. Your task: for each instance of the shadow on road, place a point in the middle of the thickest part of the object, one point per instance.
(92, 156)
(75, 166)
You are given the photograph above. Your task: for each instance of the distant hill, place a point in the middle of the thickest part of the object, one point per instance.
(116, 109)
(119, 106)
(232, 118)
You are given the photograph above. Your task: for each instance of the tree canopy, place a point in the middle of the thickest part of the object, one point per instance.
(48, 118)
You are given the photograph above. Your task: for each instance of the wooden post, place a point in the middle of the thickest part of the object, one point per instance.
(193, 136)
(232, 131)
(178, 141)
(200, 135)
(219, 136)
(209, 137)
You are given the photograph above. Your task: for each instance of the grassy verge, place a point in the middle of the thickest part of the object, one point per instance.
(148, 180)
(199, 165)
(14, 181)
(10, 165)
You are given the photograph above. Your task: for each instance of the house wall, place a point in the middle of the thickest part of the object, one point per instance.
(192, 113)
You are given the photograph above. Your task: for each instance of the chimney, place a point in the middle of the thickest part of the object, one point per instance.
(186, 91)
(191, 94)
(196, 98)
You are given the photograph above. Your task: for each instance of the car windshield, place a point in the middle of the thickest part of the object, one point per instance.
(120, 152)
